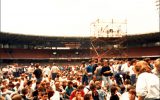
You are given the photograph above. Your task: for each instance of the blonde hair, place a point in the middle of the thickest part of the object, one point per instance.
(16, 97)
(142, 66)
(2, 98)
(157, 63)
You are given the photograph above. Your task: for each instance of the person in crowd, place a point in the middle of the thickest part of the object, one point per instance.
(79, 90)
(30, 71)
(125, 92)
(35, 95)
(86, 88)
(94, 79)
(118, 75)
(15, 70)
(106, 73)
(147, 85)
(98, 72)
(88, 97)
(16, 88)
(30, 89)
(64, 84)
(148, 60)
(131, 71)
(102, 93)
(94, 92)
(46, 71)
(84, 73)
(5, 72)
(6, 93)
(95, 65)
(24, 94)
(125, 69)
(112, 80)
(89, 70)
(114, 95)
(78, 96)
(38, 73)
(54, 70)
(16, 97)
(55, 96)
(71, 84)
(69, 89)
(156, 69)
(60, 89)
(132, 94)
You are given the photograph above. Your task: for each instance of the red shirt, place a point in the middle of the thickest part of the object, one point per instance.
(74, 93)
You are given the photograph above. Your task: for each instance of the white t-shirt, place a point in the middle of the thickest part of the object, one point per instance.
(46, 71)
(86, 89)
(54, 69)
(115, 66)
(125, 68)
(56, 96)
(124, 96)
(148, 85)
(30, 70)
(131, 72)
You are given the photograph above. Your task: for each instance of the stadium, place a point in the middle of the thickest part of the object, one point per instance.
(24, 48)
(80, 50)
(69, 52)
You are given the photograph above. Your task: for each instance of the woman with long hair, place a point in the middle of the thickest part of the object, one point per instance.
(147, 85)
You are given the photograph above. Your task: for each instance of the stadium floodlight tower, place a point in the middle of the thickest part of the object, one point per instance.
(104, 31)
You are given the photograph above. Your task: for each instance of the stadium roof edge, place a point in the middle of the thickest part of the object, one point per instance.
(33, 35)
(142, 34)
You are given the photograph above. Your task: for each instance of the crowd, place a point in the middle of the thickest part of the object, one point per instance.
(92, 80)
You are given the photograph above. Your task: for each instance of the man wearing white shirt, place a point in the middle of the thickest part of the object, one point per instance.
(54, 71)
(125, 67)
(125, 70)
(30, 71)
(46, 71)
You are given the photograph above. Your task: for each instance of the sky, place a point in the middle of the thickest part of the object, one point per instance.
(74, 17)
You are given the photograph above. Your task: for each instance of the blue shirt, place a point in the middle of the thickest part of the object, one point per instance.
(89, 69)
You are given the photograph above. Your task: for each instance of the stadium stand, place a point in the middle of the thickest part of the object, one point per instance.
(69, 68)
(16, 46)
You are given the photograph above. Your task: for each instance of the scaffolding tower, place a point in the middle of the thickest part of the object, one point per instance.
(109, 34)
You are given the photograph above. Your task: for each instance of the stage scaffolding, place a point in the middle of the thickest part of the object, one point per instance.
(108, 35)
